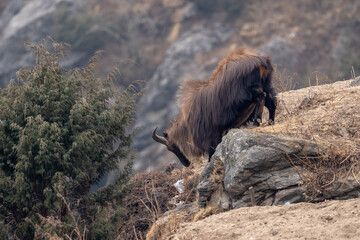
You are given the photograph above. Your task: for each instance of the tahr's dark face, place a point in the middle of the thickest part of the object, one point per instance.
(171, 146)
(174, 149)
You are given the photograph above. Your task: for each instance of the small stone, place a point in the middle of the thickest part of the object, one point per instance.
(329, 218)
(343, 132)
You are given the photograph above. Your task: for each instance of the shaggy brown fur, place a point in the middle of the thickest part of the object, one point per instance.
(236, 93)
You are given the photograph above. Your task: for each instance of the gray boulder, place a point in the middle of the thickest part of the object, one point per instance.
(268, 163)
(263, 169)
(250, 168)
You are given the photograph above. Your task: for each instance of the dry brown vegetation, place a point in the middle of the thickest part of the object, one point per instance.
(151, 195)
(167, 226)
(329, 115)
(149, 198)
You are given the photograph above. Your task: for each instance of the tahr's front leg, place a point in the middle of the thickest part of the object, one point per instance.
(259, 107)
(270, 104)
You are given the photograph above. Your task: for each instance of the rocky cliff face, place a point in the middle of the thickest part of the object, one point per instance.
(27, 22)
(250, 168)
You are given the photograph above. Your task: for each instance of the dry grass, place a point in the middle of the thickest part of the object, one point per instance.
(284, 81)
(148, 199)
(169, 226)
(206, 212)
(191, 177)
(190, 193)
(152, 194)
(329, 115)
(166, 227)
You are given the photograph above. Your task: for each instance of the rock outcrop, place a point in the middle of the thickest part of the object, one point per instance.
(251, 168)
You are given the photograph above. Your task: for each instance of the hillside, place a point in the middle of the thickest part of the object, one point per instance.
(326, 114)
(164, 42)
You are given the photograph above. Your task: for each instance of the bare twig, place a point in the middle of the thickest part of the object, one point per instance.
(348, 157)
(76, 229)
(331, 182)
(135, 233)
(158, 209)
(355, 176)
(252, 196)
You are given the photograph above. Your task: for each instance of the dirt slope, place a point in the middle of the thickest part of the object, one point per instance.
(327, 220)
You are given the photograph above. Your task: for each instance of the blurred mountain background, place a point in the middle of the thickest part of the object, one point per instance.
(164, 42)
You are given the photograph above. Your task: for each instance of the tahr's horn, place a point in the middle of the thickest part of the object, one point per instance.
(158, 138)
